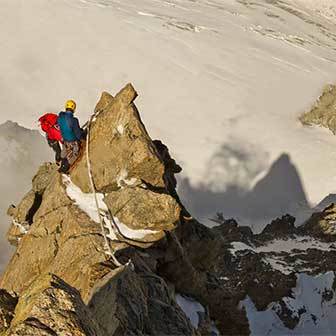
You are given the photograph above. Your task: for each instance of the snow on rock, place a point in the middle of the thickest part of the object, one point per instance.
(86, 202)
(285, 245)
(120, 129)
(309, 305)
(21, 227)
(122, 178)
(239, 246)
(191, 308)
(275, 252)
(131, 233)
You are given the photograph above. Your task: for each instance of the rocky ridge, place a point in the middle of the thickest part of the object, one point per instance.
(176, 277)
(323, 111)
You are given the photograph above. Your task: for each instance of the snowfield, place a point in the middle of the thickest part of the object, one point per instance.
(221, 82)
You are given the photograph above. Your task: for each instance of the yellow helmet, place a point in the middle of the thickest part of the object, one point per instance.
(70, 105)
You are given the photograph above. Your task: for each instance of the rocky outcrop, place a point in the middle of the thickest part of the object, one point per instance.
(66, 282)
(56, 227)
(322, 224)
(51, 307)
(135, 301)
(64, 236)
(121, 151)
(323, 112)
(23, 214)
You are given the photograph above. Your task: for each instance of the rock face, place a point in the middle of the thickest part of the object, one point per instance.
(8, 303)
(323, 224)
(135, 302)
(166, 276)
(51, 307)
(121, 151)
(323, 112)
(56, 227)
(23, 214)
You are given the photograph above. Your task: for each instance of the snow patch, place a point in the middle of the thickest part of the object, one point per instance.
(21, 227)
(120, 129)
(86, 202)
(131, 233)
(122, 179)
(316, 314)
(301, 243)
(239, 246)
(191, 308)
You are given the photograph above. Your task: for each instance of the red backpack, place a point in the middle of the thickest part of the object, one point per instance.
(49, 125)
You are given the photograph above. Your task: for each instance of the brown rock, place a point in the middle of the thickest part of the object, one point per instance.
(323, 112)
(62, 240)
(52, 307)
(120, 147)
(104, 101)
(43, 177)
(322, 224)
(140, 208)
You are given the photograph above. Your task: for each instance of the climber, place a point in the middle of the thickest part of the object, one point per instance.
(48, 123)
(171, 168)
(72, 135)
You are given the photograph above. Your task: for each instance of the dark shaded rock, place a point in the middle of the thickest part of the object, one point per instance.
(279, 228)
(8, 303)
(136, 301)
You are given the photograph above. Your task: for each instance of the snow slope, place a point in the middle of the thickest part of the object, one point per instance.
(221, 82)
(316, 314)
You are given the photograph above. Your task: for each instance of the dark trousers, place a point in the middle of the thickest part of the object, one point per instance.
(54, 144)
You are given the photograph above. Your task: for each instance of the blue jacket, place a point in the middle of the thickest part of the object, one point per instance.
(69, 127)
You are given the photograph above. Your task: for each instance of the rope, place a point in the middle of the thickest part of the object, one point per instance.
(93, 189)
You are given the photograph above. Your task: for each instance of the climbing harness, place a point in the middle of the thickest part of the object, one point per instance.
(93, 189)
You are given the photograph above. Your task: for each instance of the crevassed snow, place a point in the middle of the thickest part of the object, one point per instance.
(221, 82)
(325, 8)
(86, 202)
(317, 314)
